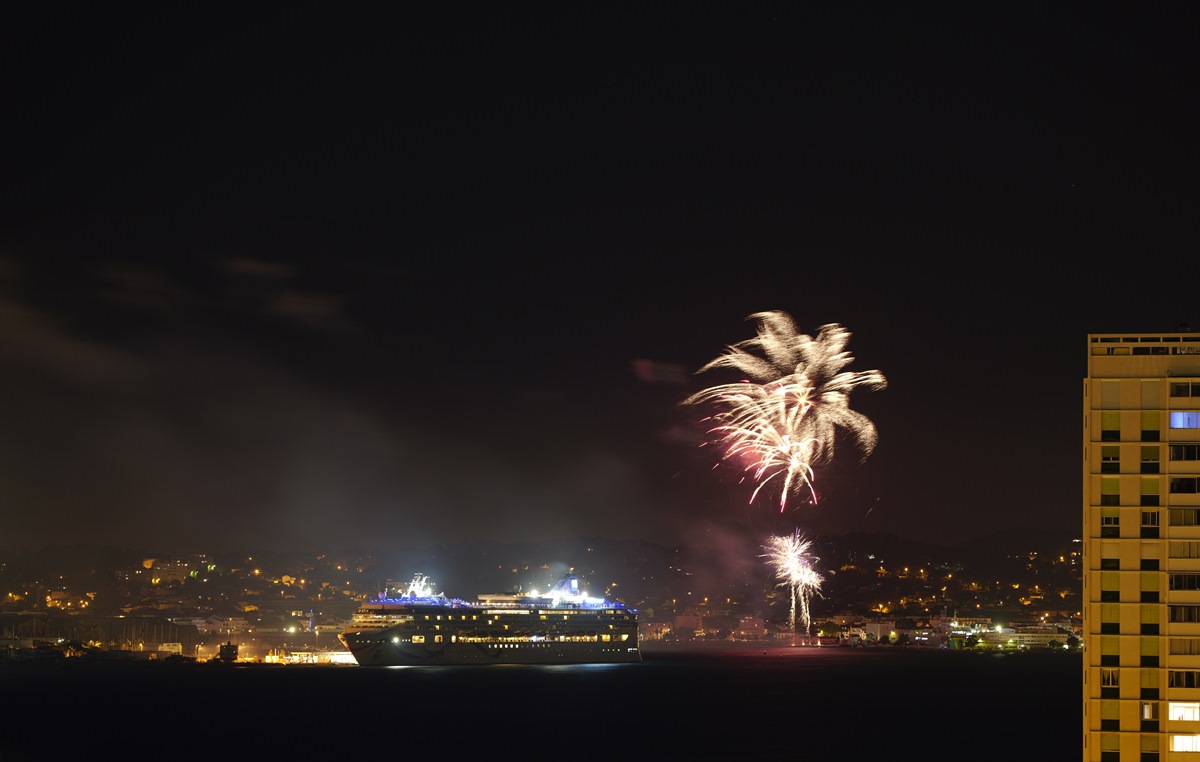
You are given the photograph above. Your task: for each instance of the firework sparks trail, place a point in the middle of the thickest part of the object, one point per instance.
(783, 419)
(789, 556)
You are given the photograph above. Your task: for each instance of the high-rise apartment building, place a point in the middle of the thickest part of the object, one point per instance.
(1141, 526)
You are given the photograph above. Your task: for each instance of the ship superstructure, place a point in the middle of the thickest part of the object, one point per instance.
(563, 626)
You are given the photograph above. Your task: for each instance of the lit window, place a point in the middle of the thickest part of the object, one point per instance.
(1185, 743)
(1185, 420)
(1187, 711)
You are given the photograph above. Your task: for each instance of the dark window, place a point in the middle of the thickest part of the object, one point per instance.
(1110, 596)
(1149, 564)
(1183, 485)
(1149, 467)
(1110, 628)
(1148, 629)
(1148, 500)
(1110, 660)
(1184, 582)
(1109, 564)
(1183, 678)
(1110, 756)
(1110, 724)
(1112, 499)
(1184, 517)
(1185, 452)
(1110, 693)
(1183, 614)
(1149, 596)
(1150, 693)
(1150, 756)
(1149, 435)
(1109, 435)
(1149, 661)
(1149, 533)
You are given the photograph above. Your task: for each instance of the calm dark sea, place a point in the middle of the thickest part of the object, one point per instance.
(704, 703)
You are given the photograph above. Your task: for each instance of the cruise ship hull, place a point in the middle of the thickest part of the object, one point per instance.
(375, 651)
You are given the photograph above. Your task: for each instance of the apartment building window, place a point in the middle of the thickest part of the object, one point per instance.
(1149, 530)
(1110, 619)
(1190, 742)
(1148, 619)
(1150, 426)
(1149, 652)
(1149, 685)
(1183, 711)
(1149, 489)
(1151, 395)
(1110, 525)
(1185, 389)
(1185, 452)
(1184, 581)
(1110, 586)
(1183, 678)
(1149, 587)
(1110, 715)
(1149, 714)
(1110, 682)
(1181, 549)
(1109, 747)
(1110, 459)
(1110, 652)
(1110, 555)
(1184, 517)
(1184, 485)
(1110, 426)
(1185, 647)
(1183, 613)
(1182, 420)
(1110, 490)
(1150, 458)
(1110, 395)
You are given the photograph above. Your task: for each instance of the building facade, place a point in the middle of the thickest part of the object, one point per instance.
(1141, 529)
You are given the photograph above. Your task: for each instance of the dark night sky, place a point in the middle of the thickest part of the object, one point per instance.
(304, 278)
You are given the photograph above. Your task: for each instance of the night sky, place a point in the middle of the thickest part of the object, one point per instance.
(312, 278)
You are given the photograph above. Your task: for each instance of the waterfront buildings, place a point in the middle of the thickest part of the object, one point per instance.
(1141, 525)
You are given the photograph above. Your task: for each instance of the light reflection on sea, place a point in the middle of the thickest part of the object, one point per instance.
(688, 703)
